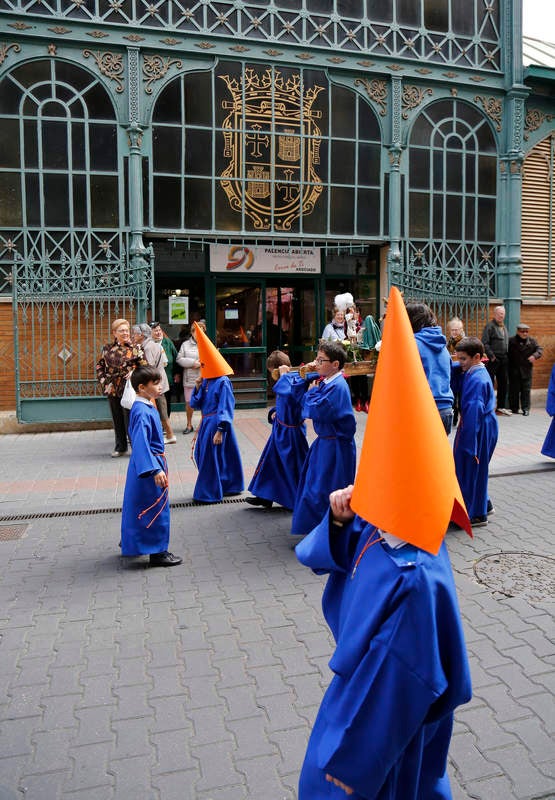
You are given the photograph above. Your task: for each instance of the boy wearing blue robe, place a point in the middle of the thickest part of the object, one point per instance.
(145, 521)
(331, 459)
(548, 448)
(220, 471)
(400, 665)
(277, 474)
(477, 431)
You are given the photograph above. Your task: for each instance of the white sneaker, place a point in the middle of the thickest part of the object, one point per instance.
(172, 440)
(505, 411)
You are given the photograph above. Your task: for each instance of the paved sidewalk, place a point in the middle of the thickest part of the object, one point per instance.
(201, 682)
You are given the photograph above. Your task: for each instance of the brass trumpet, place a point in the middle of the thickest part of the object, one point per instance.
(350, 368)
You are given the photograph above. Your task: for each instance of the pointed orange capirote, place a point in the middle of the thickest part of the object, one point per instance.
(212, 362)
(406, 482)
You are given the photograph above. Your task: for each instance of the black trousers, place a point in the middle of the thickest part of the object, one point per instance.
(120, 418)
(519, 391)
(499, 372)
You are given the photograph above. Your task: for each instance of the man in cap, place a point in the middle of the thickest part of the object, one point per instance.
(495, 339)
(524, 351)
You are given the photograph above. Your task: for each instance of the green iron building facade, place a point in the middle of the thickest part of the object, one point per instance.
(255, 158)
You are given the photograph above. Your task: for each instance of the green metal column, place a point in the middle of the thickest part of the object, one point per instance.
(395, 152)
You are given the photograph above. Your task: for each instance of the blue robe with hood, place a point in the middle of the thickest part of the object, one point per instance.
(279, 468)
(220, 471)
(400, 668)
(331, 460)
(475, 439)
(432, 346)
(145, 520)
(548, 448)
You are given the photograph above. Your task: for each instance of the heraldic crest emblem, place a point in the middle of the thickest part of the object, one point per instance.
(273, 145)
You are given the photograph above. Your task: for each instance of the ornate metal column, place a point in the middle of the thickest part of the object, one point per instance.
(395, 151)
(138, 253)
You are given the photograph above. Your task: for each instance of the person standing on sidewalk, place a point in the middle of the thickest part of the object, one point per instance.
(117, 360)
(495, 338)
(155, 356)
(188, 360)
(524, 351)
(170, 351)
(145, 516)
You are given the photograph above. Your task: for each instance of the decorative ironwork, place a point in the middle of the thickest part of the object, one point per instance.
(376, 90)
(98, 34)
(493, 108)
(169, 41)
(534, 120)
(345, 27)
(134, 37)
(110, 65)
(292, 117)
(154, 69)
(5, 48)
(60, 30)
(19, 25)
(412, 97)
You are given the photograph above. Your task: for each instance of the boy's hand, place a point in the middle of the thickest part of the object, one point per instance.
(336, 782)
(198, 382)
(218, 437)
(283, 368)
(161, 479)
(340, 504)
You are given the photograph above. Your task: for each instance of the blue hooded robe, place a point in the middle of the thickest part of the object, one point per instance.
(331, 460)
(475, 439)
(548, 448)
(220, 470)
(432, 346)
(400, 668)
(279, 468)
(145, 520)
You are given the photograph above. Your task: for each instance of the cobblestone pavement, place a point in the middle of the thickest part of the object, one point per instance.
(201, 682)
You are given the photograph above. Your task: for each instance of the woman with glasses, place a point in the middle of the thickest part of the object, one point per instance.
(331, 459)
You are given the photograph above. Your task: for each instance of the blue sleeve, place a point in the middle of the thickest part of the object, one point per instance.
(226, 405)
(145, 462)
(550, 403)
(196, 397)
(329, 548)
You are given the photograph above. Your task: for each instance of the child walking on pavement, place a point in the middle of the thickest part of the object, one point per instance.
(145, 521)
(477, 432)
(277, 474)
(216, 453)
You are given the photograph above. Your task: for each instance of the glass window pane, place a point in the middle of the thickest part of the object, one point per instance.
(10, 199)
(421, 132)
(486, 139)
(461, 20)
(56, 210)
(166, 200)
(198, 203)
(103, 144)
(33, 72)
(32, 199)
(369, 164)
(167, 150)
(470, 173)
(168, 104)
(78, 146)
(419, 169)
(9, 143)
(453, 216)
(75, 76)
(54, 145)
(316, 220)
(99, 103)
(438, 176)
(487, 175)
(454, 172)
(30, 149)
(342, 162)
(470, 219)
(10, 96)
(79, 201)
(198, 152)
(419, 213)
(198, 99)
(368, 126)
(408, 12)
(486, 219)
(238, 310)
(438, 216)
(227, 218)
(104, 201)
(436, 15)
(368, 212)
(343, 112)
(53, 109)
(342, 210)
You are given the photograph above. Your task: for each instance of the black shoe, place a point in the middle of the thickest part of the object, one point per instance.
(258, 501)
(479, 522)
(526, 413)
(490, 509)
(164, 560)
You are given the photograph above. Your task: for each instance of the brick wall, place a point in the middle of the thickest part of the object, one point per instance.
(541, 319)
(7, 384)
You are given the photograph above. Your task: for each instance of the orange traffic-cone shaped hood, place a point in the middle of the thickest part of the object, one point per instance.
(406, 482)
(212, 363)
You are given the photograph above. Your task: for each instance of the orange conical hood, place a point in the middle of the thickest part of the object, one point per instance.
(212, 363)
(406, 482)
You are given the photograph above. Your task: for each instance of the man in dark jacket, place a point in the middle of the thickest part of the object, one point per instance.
(524, 351)
(495, 339)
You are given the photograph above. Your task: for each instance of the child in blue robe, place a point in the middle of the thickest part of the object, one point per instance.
(220, 471)
(400, 665)
(548, 448)
(145, 521)
(331, 459)
(277, 474)
(477, 431)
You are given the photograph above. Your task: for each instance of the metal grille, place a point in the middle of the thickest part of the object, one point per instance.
(10, 532)
(467, 35)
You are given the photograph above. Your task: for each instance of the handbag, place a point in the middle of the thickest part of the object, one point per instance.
(128, 396)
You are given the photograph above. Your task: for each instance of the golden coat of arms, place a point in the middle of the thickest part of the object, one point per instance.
(273, 145)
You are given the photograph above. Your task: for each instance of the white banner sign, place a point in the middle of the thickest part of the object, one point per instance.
(239, 259)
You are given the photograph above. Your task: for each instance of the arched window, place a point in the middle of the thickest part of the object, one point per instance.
(269, 151)
(58, 155)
